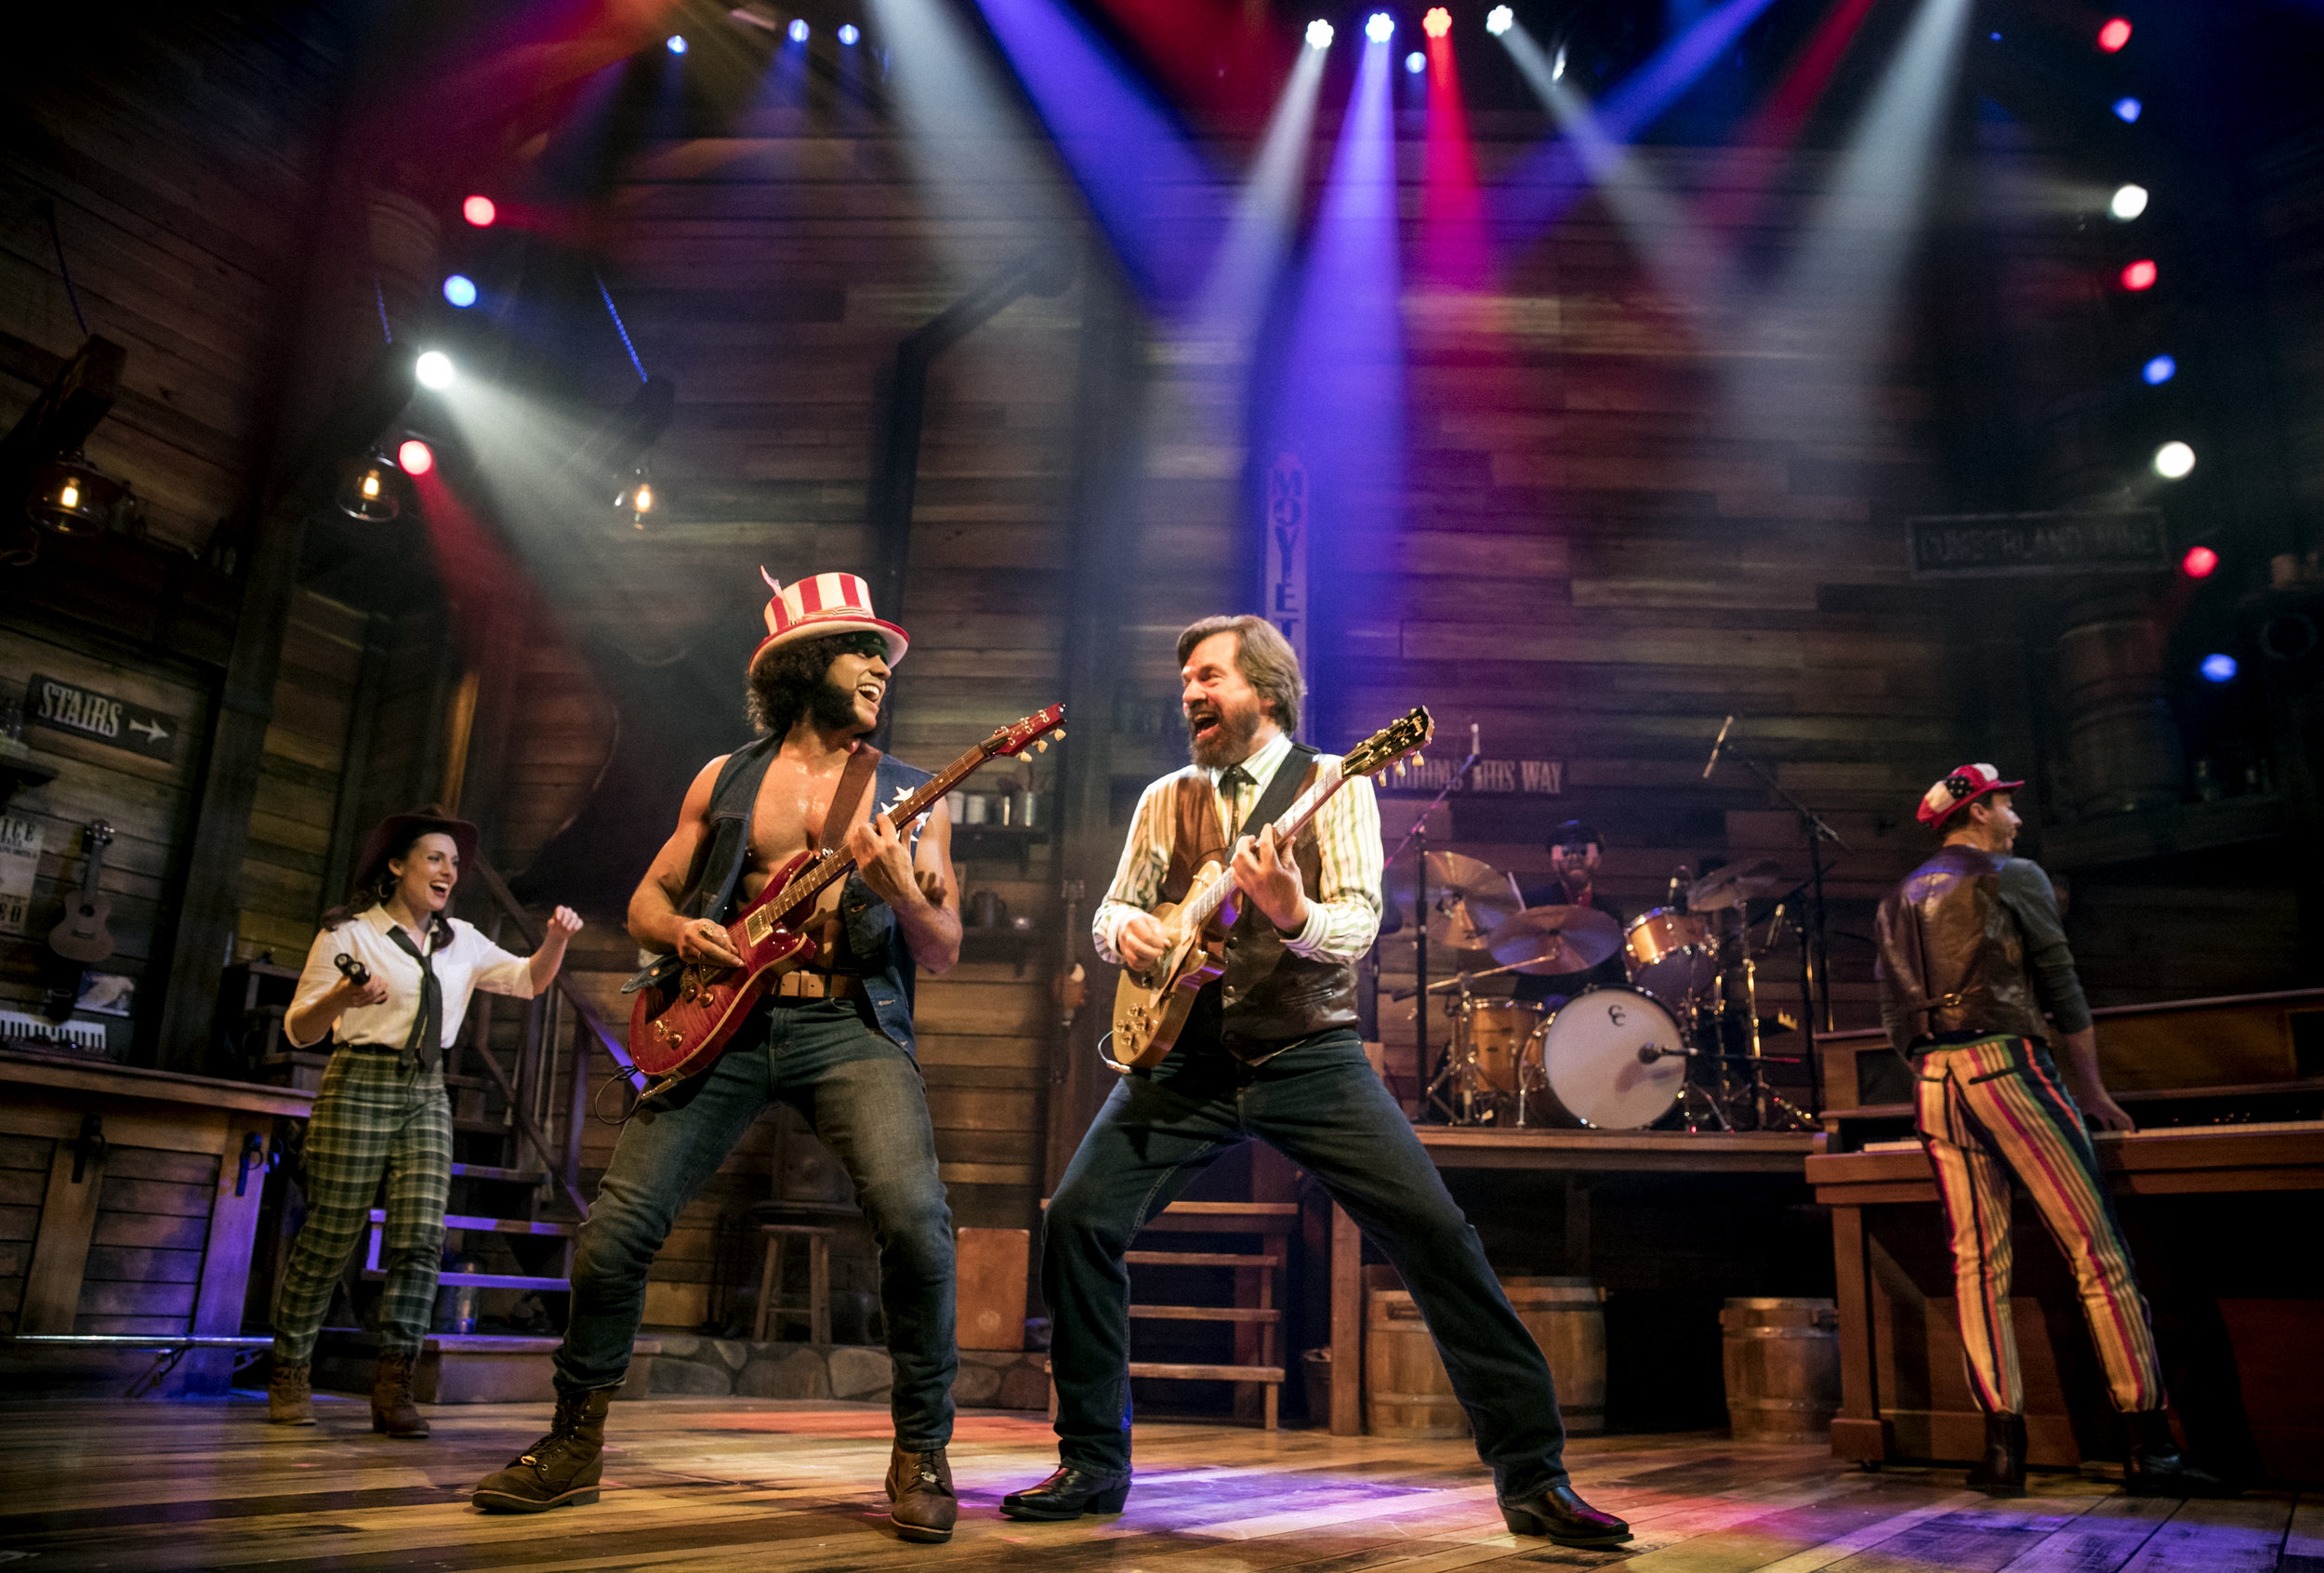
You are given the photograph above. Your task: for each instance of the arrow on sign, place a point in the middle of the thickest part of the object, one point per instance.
(152, 730)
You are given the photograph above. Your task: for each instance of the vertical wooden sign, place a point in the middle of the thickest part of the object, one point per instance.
(1283, 587)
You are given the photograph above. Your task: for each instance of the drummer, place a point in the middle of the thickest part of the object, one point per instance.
(1574, 848)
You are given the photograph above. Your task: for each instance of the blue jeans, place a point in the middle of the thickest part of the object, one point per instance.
(864, 1097)
(1319, 1104)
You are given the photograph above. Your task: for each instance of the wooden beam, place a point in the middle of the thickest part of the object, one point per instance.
(60, 421)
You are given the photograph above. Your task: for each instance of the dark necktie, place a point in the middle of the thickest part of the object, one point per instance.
(426, 1036)
(1234, 778)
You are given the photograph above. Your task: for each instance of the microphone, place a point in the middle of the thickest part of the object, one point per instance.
(1720, 742)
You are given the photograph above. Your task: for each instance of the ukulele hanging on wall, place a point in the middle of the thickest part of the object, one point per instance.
(82, 936)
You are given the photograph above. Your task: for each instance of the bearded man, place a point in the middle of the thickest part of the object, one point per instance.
(1270, 1051)
(834, 1040)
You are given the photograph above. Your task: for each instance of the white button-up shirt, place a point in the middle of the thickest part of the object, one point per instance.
(470, 962)
(1342, 914)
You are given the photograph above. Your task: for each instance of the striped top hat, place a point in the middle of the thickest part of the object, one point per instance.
(822, 604)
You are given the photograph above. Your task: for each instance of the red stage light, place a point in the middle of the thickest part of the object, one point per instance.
(1437, 23)
(2201, 563)
(480, 211)
(415, 456)
(2139, 275)
(2116, 33)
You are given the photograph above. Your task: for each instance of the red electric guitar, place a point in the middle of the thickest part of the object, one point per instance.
(677, 1030)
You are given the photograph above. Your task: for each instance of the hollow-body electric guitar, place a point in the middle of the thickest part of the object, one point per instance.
(679, 1029)
(1151, 1007)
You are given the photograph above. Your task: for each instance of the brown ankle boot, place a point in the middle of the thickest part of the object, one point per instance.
(391, 1408)
(920, 1487)
(562, 1469)
(289, 1401)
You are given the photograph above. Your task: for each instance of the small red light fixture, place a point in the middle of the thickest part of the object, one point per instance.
(1437, 23)
(2201, 563)
(2139, 275)
(2114, 35)
(415, 456)
(478, 210)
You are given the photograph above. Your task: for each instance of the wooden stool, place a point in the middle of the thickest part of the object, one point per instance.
(818, 1307)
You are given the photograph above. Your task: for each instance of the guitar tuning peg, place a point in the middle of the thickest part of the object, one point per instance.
(1059, 735)
(1417, 761)
(1042, 747)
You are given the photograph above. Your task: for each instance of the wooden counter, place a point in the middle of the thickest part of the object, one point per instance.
(128, 1199)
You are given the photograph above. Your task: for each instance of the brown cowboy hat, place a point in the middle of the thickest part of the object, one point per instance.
(401, 828)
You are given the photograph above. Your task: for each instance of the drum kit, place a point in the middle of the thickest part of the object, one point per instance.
(1679, 1042)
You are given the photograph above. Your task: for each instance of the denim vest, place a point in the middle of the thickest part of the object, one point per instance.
(871, 924)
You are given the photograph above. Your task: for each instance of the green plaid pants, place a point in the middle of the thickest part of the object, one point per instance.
(377, 1113)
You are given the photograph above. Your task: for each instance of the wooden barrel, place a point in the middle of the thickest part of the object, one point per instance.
(1408, 1393)
(1566, 1318)
(1782, 1360)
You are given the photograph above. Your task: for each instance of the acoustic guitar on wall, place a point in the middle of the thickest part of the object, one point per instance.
(82, 936)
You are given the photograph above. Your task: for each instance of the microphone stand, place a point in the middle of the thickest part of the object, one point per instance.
(1815, 961)
(1417, 836)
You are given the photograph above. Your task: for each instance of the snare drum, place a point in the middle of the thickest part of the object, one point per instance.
(1596, 1072)
(1670, 954)
(1500, 1039)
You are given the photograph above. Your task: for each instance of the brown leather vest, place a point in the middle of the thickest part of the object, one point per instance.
(1268, 996)
(1953, 953)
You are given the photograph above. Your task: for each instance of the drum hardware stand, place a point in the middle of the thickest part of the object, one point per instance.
(1417, 836)
(1815, 962)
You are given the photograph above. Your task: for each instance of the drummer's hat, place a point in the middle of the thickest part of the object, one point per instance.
(1959, 789)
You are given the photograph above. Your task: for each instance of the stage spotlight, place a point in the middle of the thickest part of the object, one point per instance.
(2220, 668)
(849, 33)
(1380, 27)
(2201, 563)
(2139, 275)
(2130, 201)
(1499, 20)
(480, 211)
(1319, 34)
(2127, 109)
(1437, 22)
(368, 491)
(676, 44)
(2116, 33)
(798, 30)
(434, 369)
(2160, 370)
(1557, 66)
(2174, 461)
(459, 289)
(415, 456)
(1416, 62)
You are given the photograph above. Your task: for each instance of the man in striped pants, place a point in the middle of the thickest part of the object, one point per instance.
(1971, 955)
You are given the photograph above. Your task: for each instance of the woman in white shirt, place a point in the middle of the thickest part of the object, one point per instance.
(389, 979)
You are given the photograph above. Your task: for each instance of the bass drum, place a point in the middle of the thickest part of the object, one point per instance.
(1591, 1057)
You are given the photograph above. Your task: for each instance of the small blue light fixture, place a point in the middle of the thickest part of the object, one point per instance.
(2160, 370)
(677, 45)
(2219, 667)
(1380, 27)
(798, 30)
(1993, 37)
(459, 289)
(1416, 62)
(849, 33)
(2127, 110)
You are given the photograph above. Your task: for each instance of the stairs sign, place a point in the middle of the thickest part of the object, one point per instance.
(117, 723)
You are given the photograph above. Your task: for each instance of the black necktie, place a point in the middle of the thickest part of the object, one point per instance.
(1234, 778)
(426, 1036)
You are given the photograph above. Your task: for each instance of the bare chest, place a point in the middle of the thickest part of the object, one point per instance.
(791, 814)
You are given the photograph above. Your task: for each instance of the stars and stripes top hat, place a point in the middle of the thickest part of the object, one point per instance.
(1964, 786)
(822, 604)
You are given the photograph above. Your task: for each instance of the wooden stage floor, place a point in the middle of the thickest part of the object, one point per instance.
(737, 1483)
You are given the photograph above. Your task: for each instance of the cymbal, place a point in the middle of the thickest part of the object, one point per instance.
(1733, 885)
(1551, 941)
(1466, 899)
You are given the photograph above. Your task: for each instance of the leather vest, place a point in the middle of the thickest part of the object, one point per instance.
(1953, 954)
(877, 953)
(1268, 996)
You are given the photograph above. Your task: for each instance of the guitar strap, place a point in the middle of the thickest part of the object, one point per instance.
(848, 796)
(1195, 836)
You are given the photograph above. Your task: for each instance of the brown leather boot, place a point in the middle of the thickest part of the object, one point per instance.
(562, 1469)
(289, 1401)
(391, 1408)
(920, 1487)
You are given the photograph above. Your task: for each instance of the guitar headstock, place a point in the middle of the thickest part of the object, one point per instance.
(1018, 735)
(1404, 736)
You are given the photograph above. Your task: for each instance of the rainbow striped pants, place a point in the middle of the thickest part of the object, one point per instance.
(1985, 1111)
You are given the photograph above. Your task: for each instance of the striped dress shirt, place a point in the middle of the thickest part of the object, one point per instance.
(1342, 916)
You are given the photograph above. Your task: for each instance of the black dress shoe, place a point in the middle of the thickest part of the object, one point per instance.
(1564, 1517)
(2154, 1467)
(1069, 1493)
(2001, 1473)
